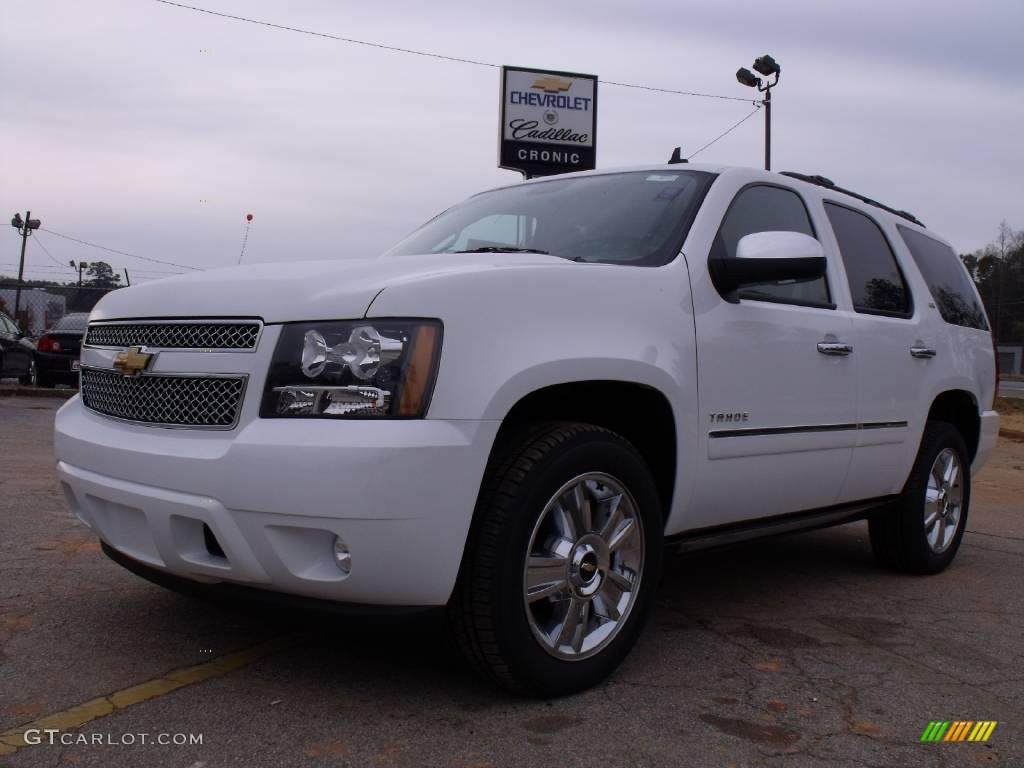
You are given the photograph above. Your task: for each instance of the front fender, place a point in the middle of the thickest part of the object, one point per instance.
(567, 371)
(510, 332)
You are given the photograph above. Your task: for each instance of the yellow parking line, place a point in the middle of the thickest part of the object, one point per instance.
(77, 716)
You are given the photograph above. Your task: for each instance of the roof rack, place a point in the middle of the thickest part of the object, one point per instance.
(821, 181)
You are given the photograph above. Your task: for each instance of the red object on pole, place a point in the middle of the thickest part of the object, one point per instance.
(248, 217)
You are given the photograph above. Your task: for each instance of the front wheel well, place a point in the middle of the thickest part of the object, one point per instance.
(639, 413)
(959, 408)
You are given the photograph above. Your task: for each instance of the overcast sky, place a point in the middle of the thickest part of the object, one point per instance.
(115, 125)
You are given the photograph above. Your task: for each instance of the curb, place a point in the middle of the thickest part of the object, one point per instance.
(15, 390)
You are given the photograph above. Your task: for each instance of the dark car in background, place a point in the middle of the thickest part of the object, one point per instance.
(16, 354)
(58, 349)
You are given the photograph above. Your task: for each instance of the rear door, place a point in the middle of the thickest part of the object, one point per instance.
(891, 375)
(16, 354)
(777, 413)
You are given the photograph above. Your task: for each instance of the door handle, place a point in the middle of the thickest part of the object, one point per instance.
(922, 352)
(834, 348)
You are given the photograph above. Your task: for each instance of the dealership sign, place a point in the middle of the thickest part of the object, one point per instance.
(548, 121)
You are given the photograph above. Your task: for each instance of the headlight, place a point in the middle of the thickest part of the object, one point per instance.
(361, 368)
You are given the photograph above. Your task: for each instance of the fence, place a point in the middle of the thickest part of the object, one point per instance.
(42, 306)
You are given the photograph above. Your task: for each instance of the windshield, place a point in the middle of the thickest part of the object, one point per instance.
(638, 218)
(72, 322)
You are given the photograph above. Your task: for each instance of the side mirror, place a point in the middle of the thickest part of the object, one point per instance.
(764, 257)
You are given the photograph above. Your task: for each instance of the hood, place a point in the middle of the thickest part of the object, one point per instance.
(298, 290)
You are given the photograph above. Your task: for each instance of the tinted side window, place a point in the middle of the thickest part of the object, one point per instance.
(947, 280)
(876, 283)
(769, 209)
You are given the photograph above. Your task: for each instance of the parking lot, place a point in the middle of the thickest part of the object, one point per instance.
(795, 651)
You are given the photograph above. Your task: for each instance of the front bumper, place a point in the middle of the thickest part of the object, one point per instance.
(275, 493)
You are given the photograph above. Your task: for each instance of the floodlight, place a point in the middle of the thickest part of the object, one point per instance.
(747, 78)
(767, 66)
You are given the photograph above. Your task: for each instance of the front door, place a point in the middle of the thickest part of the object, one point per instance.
(777, 393)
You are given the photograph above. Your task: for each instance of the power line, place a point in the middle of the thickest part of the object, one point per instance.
(65, 267)
(39, 242)
(43, 268)
(120, 253)
(136, 270)
(725, 133)
(48, 268)
(428, 54)
(666, 90)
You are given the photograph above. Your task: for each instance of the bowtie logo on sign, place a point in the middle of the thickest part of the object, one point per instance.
(553, 84)
(548, 121)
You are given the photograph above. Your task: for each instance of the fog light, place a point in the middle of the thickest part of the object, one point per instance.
(342, 556)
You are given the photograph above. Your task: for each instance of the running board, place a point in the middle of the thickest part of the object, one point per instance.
(734, 533)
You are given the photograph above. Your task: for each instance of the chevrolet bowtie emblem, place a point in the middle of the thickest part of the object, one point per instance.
(133, 361)
(551, 84)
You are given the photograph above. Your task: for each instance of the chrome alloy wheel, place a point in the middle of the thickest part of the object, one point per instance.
(943, 502)
(583, 566)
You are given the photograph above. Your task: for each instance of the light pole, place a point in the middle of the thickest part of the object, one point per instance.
(767, 66)
(24, 229)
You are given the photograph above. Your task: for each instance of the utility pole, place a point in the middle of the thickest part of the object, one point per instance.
(81, 265)
(127, 279)
(768, 129)
(24, 229)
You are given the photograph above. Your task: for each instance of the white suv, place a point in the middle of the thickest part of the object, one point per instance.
(519, 408)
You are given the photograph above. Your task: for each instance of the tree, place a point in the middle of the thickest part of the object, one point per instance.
(101, 275)
(998, 271)
(971, 262)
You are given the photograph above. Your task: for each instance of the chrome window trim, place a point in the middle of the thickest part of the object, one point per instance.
(244, 377)
(180, 321)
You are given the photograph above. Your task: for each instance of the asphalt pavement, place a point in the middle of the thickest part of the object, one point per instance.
(793, 652)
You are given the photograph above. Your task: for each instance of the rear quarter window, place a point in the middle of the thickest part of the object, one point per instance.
(947, 279)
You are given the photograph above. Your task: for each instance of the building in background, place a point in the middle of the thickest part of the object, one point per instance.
(39, 308)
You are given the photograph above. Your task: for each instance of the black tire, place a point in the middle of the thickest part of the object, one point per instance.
(30, 377)
(488, 613)
(898, 535)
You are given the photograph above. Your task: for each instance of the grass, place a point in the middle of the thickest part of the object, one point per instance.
(1011, 412)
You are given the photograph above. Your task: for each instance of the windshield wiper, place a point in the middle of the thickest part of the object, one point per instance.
(503, 249)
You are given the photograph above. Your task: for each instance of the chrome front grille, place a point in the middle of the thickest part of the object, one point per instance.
(164, 335)
(206, 401)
